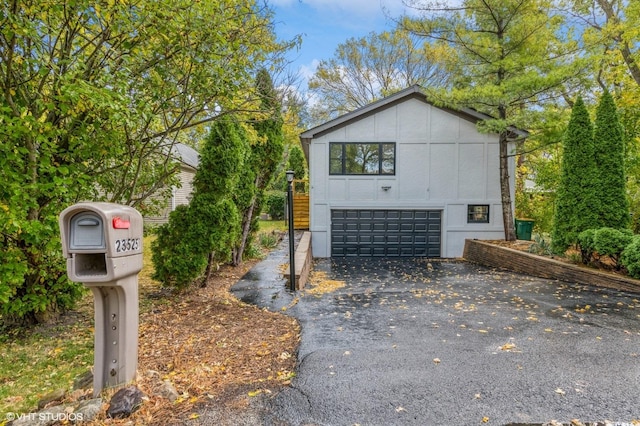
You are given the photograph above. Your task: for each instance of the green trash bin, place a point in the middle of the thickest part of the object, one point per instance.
(524, 228)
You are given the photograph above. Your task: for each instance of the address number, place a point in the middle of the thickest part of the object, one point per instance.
(127, 244)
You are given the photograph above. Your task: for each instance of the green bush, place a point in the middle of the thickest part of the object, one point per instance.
(177, 263)
(631, 257)
(275, 202)
(540, 246)
(587, 246)
(612, 242)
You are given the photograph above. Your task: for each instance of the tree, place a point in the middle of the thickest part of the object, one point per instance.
(263, 160)
(610, 186)
(200, 236)
(369, 68)
(94, 95)
(509, 58)
(576, 199)
(297, 162)
(610, 39)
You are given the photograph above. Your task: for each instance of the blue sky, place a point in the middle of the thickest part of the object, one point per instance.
(324, 24)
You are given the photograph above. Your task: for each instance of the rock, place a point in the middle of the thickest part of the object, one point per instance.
(125, 402)
(55, 396)
(152, 374)
(83, 381)
(168, 391)
(87, 410)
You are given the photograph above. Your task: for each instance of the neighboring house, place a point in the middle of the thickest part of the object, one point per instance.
(403, 177)
(189, 159)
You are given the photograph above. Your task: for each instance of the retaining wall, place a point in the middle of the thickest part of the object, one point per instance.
(492, 255)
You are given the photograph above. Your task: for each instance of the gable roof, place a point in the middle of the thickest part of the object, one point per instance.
(414, 91)
(186, 155)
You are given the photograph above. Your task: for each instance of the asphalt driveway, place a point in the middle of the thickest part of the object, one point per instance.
(407, 342)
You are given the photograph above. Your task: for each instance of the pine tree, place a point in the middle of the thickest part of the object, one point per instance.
(576, 201)
(262, 162)
(202, 234)
(613, 208)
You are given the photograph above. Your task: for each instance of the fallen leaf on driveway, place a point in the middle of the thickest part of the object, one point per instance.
(508, 347)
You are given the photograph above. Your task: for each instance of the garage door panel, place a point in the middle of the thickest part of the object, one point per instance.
(385, 233)
(420, 227)
(392, 214)
(407, 227)
(393, 227)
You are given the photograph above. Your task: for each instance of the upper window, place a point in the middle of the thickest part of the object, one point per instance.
(351, 158)
(477, 213)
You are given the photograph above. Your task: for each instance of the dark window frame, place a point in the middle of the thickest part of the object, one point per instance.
(342, 159)
(478, 213)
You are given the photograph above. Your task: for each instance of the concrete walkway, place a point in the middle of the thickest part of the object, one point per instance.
(407, 342)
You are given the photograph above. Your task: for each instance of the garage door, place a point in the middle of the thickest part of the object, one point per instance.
(385, 233)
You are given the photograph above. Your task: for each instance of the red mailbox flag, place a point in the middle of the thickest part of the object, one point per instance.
(120, 223)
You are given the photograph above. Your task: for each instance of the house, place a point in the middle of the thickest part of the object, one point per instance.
(188, 159)
(403, 177)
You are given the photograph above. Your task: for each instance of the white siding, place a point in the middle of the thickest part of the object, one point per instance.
(442, 163)
(179, 196)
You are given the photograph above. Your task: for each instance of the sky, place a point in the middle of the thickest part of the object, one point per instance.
(324, 24)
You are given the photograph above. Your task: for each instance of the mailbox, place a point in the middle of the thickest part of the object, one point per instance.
(102, 244)
(101, 241)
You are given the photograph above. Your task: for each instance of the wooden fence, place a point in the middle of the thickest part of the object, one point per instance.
(300, 204)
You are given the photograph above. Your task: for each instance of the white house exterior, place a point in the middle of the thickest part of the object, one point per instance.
(189, 160)
(402, 177)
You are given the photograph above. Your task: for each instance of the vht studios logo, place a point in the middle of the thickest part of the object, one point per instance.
(48, 417)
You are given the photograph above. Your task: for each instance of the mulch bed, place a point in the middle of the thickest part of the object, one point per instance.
(207, 344)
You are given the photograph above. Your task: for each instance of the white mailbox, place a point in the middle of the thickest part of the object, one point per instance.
(102, 243)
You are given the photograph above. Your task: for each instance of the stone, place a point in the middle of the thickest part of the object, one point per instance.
(88, 410)
(125, 402)
(83, 381)
(55, 396)
(168, 391)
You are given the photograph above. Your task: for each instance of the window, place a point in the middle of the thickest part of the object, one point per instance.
(349, 158)
(477, 213)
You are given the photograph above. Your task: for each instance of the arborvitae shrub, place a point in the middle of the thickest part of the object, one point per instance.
(275, 202)
(587, 246)
(612, 242)
(631, 257)
(177, 263)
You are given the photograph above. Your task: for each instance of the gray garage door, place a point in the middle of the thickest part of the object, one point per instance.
(385, 233)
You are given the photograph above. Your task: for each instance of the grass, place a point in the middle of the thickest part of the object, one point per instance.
(272, 225)
(42, 362)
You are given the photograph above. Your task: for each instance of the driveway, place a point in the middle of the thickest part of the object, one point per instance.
(408, 342)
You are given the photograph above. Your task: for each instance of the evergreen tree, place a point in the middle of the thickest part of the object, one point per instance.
(262, 162)
(203, 234)
(613, 207)
(576, 198)
(297, 162)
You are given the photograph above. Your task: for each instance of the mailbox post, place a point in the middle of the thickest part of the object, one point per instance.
(102, 243)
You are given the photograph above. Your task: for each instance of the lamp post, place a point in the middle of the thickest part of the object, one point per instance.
(292, 250)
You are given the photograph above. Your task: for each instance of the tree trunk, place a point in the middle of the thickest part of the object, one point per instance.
(246, 229)
(246, 226)
(505, 189)
(209, 270)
